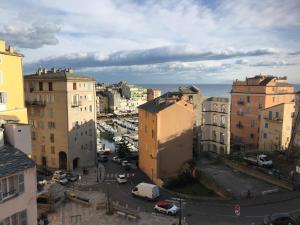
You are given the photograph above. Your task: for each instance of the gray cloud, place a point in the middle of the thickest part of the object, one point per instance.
(272, 63)
(141, 57)
(32, 36)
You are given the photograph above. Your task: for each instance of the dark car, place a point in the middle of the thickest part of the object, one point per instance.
(103, 158)
(72, 177)
(281, 219)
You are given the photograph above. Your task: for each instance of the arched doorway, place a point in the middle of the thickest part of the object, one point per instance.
(44, 161)
(75, 163)
(62, 160)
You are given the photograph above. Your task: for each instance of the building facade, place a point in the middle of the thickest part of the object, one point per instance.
(248, 98)
(17, 187)
(62, 110)
(216, 125)
(102, 105)
(165, 136)
(276, 127)
(153, 93)
(12, 106)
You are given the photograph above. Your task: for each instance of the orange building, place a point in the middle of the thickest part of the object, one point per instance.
(165, 135)
(248, 98)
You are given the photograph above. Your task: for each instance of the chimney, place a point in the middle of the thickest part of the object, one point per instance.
(10, 49)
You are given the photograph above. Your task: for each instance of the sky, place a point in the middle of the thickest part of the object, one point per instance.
(154, 41)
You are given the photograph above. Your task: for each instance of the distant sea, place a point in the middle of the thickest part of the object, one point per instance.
(208, 90)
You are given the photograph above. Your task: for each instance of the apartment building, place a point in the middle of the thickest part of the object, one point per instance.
(135, 95)
(248, 98)
(12, 106)
(17, 187)
(276, 127)
(216, 125)
(102, 105)
(165, 135)
(153, 93)
(62, 110)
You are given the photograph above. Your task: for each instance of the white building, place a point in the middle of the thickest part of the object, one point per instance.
(215, 125)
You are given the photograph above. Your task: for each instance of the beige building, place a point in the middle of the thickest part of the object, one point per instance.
(216, 125)
(153, 93)
(62, 111)
(17, 185)
(276, 127)
(165, 136)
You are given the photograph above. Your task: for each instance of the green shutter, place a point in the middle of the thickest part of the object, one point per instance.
(21, 183)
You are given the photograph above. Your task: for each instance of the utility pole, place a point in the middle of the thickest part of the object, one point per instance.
(180, 211)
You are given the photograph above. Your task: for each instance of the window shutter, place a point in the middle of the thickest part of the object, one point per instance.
(21, 183)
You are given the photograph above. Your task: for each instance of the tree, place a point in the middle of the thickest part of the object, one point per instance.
(123, 149)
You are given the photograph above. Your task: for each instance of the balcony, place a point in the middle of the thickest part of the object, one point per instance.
(76, 104)
(275, 119)
(8, 195)
(36, 103)
(241, 102)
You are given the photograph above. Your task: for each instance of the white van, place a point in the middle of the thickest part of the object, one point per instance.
(145, 190)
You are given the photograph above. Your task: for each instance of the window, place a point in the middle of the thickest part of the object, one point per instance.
(19, 218)
(214, 134)
(51, 125)
(222, 137)
(222, 120)
(251, 135)
(260, 106)
(1, 77)
(75, 100)
(33, 135)
(270, 115)
(50, 86)
(11, 185)
(214, 119)
(41, 124)
(266, 125)
(277, 114)
(215, 107)
(91, 108)
(223, 108)
(248, 99)
(252, 123)
(74, 86)
(52, 138)
(52, 150)
(51, 113)
(3, 98)
(41, 86)
(43, 149)
(152, 133)
(265, 136)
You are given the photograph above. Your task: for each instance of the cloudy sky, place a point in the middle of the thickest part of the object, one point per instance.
(153, 41)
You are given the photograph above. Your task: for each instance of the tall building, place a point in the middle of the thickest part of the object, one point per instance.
(135, 95)
(165, 135)
(102, 105)
(216, 125)
(153, 93)
(11, 85)
(248, 98)
(62, 111)
(17, 170)
(276, 127)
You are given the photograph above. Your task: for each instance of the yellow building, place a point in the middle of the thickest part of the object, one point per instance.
(62, 110)
(165, 136)
(11, 86)
(276, 127)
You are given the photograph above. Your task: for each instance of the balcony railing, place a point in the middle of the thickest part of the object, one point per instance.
(276, 119)
(76, 104)
(36, 103)
(9, 194)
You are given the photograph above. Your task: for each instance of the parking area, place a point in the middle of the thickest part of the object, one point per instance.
(238, 184)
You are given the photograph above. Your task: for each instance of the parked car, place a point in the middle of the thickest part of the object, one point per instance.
(281, 219)
(60, 180)
(72, 177)
(121, 178)
(59, 173)
(166, 208)
(124, 163)
(145, 190)
(260, 160)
